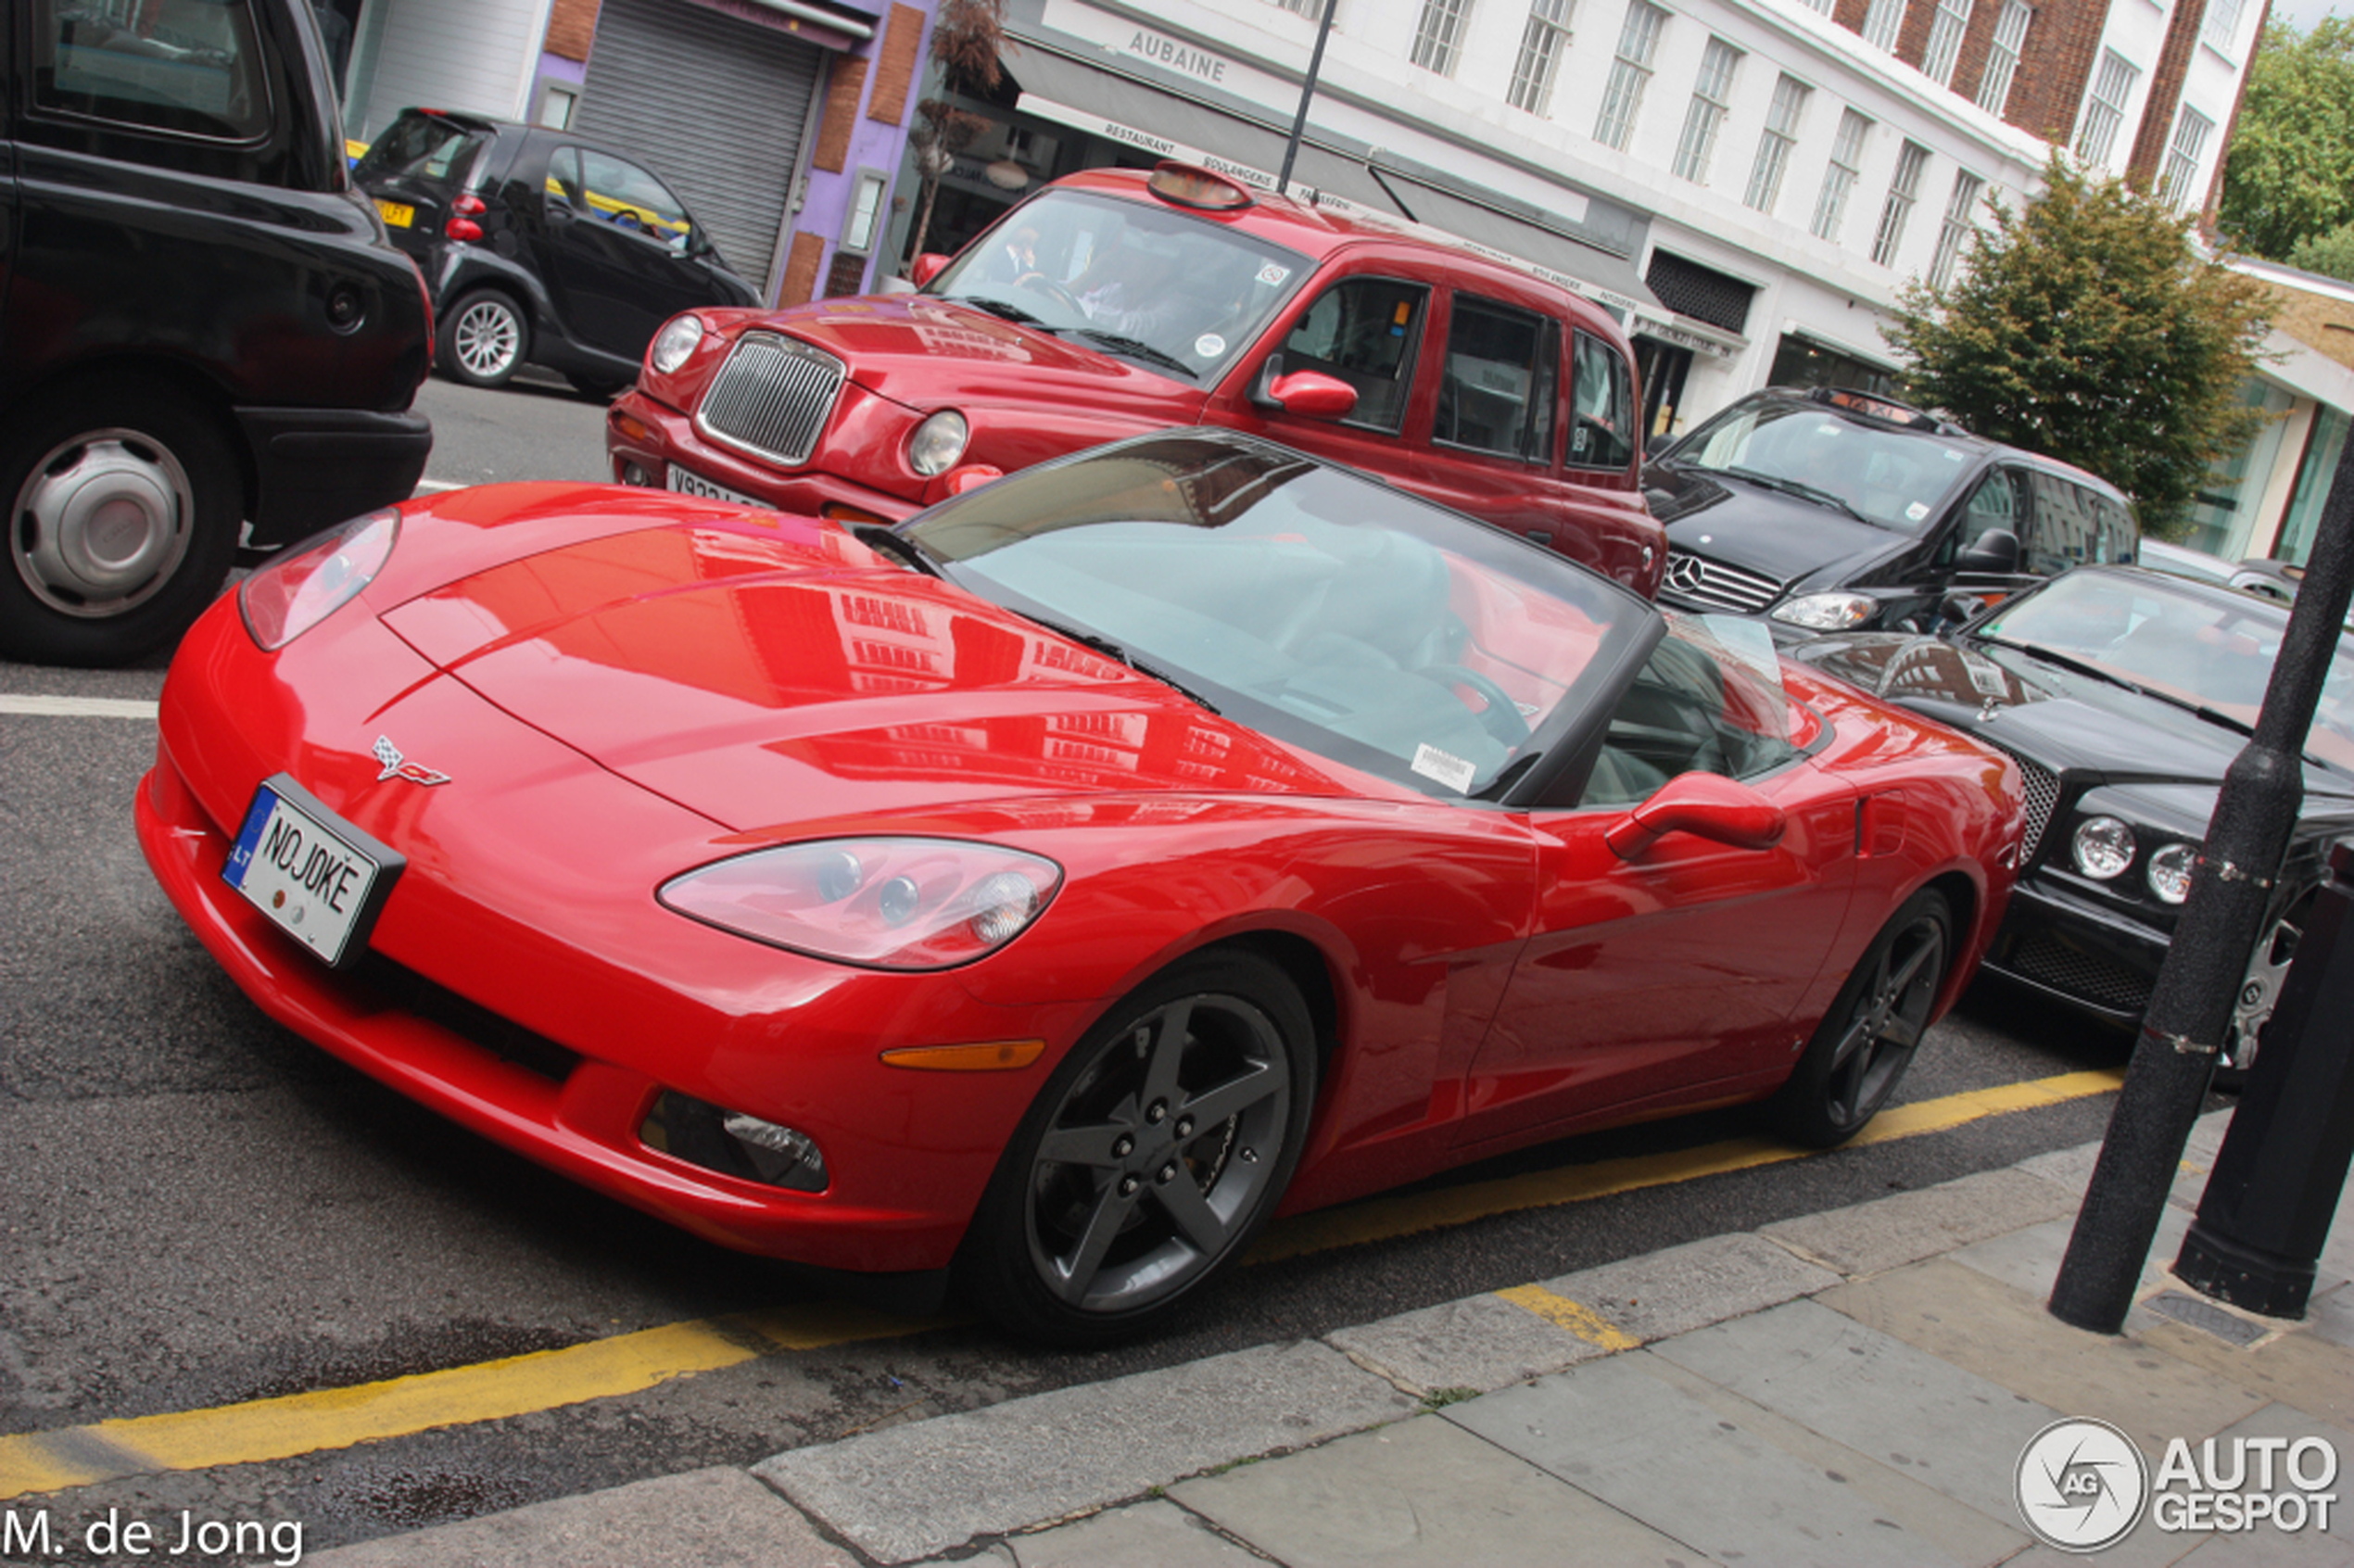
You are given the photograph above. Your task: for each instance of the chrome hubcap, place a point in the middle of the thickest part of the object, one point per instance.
(102, 523)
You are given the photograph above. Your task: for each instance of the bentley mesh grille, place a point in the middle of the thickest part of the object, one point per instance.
(772, 398)
(2042, 795)
(1694, 582)
(2048, 961)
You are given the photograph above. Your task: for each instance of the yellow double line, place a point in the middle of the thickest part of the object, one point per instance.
(338, 1417)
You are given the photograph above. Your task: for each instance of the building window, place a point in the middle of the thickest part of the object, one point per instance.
(1313, 9)
(1945, 32)
(1710, 94)
(1438, 41)
(1883, 23)
(1823, 6)
(2105, 108)
(2178, 184)
(2222, 25)
(2002, 56)
(1773, 148)
(555, 108)
(1847, 158)
(1956, 230)
(1903, 191)
(1542, 44)
(1638, 42)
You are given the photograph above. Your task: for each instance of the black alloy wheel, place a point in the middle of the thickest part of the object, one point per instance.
(1869, 1038)
(1153, 1154)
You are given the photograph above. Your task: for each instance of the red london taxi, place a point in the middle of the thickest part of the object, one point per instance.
(1120, 302)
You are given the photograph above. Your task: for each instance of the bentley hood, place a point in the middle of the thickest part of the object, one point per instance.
(758, 669)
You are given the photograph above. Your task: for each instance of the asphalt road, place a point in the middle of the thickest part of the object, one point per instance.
(201, 1211)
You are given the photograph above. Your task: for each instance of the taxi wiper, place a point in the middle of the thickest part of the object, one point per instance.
(1138, 350)
(889, 542)
(1120, 656)
(1001, 308)
(1800, 489)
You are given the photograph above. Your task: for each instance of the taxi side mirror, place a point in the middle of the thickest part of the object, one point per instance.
(1707, 805)
(926, 267)
(1313, 395)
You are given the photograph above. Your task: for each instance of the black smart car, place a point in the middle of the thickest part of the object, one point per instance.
(1828, 510)
(540, 248)
(2124, 694)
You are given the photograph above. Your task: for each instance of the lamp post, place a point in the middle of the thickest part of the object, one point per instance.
(1307, 91)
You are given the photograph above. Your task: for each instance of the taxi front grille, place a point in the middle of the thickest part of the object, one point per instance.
(1694, 582)
(772, 398)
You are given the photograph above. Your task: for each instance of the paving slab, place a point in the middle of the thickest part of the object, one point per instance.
(1901, 1406)
(1724, 1475)
(1479, 1343)
(1157, 1533)
(2294, 1368)
(2028, 1259)
(1663, 1294)
(1889, 1233)
(2071, 1169)
(1978, 1323)
(1422, 1494)
(907, 1492)
(716, 1518)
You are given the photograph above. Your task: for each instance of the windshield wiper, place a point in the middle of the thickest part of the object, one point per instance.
(1800, 489)
(999, 307)
(1139, 349)
(888, 541)
(1120, 656)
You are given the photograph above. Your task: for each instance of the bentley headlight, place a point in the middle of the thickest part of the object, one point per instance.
(308, 583)
(2103, 847)
(675, 342)
(888, 903)
(2169, 872)
(1826, 611)
(938, 443)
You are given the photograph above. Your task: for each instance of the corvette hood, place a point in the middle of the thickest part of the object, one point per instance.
(760, 670)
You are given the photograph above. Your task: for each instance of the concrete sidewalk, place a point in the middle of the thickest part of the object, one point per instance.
(1853, 1387)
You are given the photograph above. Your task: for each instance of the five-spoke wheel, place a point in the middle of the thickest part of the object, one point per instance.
(1867, 1038)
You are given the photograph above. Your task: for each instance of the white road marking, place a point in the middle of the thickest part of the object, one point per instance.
(79, 707)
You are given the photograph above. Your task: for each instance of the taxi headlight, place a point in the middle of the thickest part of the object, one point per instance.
(886, 904)
(310, 582)
(2103, 848)
(2169, 872)
(938, 443)
(1826, 611)
(675, 342)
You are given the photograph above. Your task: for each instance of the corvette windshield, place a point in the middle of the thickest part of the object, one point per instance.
(1891, 479)
(1318, 607)
(1142, 280)
(2210, 650)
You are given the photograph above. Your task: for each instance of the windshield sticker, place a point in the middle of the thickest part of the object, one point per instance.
(1953, 456)
(1916, 512)
(1209, 346)
(1451, 771)
(1272, 275)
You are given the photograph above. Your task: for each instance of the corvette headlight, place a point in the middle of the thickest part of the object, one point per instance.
(675, 342)
(888, 904)
(1827, 612)
(306, 584)
(938, 443)
(2169, 872)
(2103, 847)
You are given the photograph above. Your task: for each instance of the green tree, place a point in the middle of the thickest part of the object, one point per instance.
(2085, 325)
(2331, 254)
(2290, 173)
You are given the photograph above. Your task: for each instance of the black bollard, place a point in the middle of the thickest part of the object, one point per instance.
(2269, 1203)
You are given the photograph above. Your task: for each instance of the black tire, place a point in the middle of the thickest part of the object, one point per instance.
(125, 502)
(605, 388)
(484, 339)
(1155, 1153)
(1869, 1038)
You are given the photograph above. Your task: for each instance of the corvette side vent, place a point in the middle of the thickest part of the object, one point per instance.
(772, 398)
(1694, 582)
(2042, 795)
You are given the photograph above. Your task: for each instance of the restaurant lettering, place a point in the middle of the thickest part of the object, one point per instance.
(1199, 64)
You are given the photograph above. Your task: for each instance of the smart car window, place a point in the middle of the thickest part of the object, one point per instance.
(628, 197)
(1496, 393)
(563, 177)
(1365, 332)
(193, 67)
(1701, 704)
(420, 147)
(1602, 396)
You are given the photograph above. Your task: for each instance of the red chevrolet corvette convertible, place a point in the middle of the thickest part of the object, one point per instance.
(1046, 892)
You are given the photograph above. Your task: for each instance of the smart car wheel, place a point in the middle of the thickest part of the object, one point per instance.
(484, 339)
(1867, 1038)
(124, 506)
(1153, 1154)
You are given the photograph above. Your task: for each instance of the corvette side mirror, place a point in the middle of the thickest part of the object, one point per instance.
(1706, 805)
(1312, 394)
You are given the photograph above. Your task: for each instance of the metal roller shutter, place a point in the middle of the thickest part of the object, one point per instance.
(712, 105)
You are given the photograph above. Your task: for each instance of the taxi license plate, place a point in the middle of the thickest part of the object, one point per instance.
(400, 214)
(318, 880)
(688, 483)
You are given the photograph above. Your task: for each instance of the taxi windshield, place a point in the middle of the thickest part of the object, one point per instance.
(1151, 283)
(1891, 479)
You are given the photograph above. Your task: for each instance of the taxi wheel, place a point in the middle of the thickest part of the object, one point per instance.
(124, 503)
(1867, 1038)
(484, 339)
(1155, 1153)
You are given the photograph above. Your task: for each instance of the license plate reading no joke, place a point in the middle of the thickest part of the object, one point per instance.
(317, 879)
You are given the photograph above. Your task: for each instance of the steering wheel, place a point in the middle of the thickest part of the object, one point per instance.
(1039, 282)
(1501, 718)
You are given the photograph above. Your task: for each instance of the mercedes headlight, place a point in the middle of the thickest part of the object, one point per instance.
(675, 342)
(938, 443)
(2103, 848)
(2169, 872)
(888, 903)
(1827, 612)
